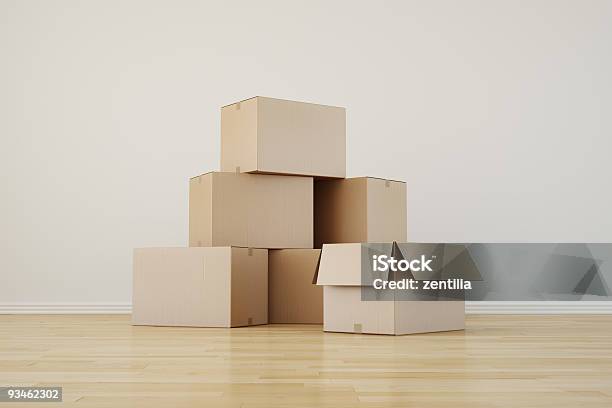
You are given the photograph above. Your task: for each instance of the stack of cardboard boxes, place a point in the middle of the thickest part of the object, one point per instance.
(256, 228)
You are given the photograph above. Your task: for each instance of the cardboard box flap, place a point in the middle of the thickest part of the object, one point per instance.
(396, 253)
(340, 265)
(316, 274)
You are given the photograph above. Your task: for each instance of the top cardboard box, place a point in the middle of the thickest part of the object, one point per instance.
(266, 135)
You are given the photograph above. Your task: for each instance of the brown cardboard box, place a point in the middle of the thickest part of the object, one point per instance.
(267, 135)
(204, 287)
(250, 210)
(292, 296)
(344, 311)
(361, 209)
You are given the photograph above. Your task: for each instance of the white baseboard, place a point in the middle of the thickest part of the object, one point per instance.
(65, 308)
(539, 307)
(471, 307)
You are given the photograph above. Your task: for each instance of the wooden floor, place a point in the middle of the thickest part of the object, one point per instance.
(499, 361)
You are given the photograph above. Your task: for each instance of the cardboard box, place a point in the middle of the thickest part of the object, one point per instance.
(292, 295)
(204, 287)
(344, 311)
(250, 210)
(267, 135)
(361, 209)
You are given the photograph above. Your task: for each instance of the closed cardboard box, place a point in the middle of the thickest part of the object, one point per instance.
(360, 209)
(250, 210)
(293, 298)
(267, 135)
(344, 310)
(203, 287)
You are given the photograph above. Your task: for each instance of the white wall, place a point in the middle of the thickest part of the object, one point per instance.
(498, 114)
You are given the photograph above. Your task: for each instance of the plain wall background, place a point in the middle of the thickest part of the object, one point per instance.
(496, 113)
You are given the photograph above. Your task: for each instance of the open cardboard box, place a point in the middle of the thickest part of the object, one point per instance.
(340, 275)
